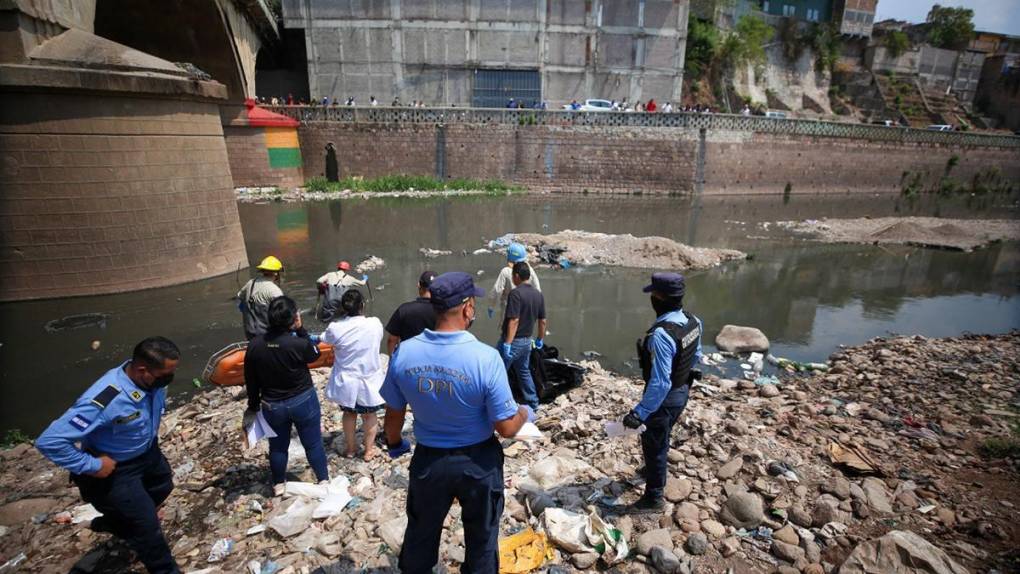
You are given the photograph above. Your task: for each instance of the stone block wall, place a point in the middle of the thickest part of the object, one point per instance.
(105, 193)
(249, 160)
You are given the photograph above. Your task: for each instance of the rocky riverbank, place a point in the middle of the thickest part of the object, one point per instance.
(899, 436)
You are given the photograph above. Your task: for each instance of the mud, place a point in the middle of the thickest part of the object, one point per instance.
(956, 234)
(587, 248)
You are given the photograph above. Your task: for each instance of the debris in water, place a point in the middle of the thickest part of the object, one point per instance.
(567, 248)
(371, 263)
(591, 354)
(433, 253)
(81, 321)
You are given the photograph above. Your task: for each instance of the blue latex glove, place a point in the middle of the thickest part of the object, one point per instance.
(491, 312)
(364, 277)
(506, 350)
(539, 343)
(315, 339)
(398, 451)
(532, 417)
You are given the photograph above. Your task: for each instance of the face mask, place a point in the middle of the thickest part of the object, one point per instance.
(661, 307)
(160, 382)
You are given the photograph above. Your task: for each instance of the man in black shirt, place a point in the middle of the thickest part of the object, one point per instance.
(279, 385)
(524, 307)
(413, 317)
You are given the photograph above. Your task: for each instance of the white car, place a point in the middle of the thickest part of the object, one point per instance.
(940, 127)
(593, 106)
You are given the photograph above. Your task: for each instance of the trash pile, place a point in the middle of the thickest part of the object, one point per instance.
(879, 464)
(371, 263)
(567, 248)
(958, 234)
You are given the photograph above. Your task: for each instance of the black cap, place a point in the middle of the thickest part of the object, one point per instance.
(452, 289)
(671, 285)
(426, 279)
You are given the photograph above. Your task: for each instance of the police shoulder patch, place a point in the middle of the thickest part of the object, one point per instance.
(136, 395)
(80, 422)
(105, 396)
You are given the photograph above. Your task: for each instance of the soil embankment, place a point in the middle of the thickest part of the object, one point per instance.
(587, 248)
(905, 434)
(959, 234)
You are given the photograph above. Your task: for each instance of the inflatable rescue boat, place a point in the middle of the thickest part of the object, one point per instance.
(226, 366)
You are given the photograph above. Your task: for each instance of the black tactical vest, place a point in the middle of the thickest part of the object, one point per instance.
(686, 340)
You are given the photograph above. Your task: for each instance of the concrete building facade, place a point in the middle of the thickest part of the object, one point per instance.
(482, 52)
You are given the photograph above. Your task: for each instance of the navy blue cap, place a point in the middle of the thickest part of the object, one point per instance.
(452, 289)
(426, 279)
(669, 284)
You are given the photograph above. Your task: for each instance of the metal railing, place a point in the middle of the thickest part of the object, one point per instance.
(686, 120)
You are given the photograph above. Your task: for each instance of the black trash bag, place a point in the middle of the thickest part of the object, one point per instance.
(551, 374)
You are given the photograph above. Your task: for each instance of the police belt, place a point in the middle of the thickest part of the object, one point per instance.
(466, 450)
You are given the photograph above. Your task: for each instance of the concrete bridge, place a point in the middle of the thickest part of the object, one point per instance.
(113, 165)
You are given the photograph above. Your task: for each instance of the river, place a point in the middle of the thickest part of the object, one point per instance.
(808, 297)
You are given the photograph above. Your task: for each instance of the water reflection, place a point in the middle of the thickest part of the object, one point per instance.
(807, 297)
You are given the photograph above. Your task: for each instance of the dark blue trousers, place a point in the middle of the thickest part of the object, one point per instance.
(472, 475)
(128, 499)
(655, 446)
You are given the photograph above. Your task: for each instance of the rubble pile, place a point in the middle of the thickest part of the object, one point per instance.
(874, 465)
(588, 248)
(959, 234)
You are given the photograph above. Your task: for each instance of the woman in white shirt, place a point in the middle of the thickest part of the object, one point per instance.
(357, 370)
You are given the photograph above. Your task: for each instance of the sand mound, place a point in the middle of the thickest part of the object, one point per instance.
(586, 248)
(961, 234)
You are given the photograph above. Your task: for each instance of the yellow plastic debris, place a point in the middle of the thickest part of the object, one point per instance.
(523, 552)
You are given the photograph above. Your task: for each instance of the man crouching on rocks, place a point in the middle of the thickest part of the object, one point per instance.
(668, 353)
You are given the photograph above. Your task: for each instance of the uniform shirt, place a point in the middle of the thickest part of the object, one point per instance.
(659, 391)
(505, 284)
(337, 283)
(255, 297)
(276, 367)
(527, 305)
(411, 318)
(456, 386)
(122, 430)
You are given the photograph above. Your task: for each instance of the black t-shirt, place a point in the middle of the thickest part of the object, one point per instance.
(526, 304)
(276, 367)
(411, 318)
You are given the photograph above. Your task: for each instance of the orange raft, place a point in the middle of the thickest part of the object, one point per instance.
(226, 366)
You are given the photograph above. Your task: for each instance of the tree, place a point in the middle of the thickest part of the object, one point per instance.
(896, 43)
(746, 44)
(950, 28)
(702, 47)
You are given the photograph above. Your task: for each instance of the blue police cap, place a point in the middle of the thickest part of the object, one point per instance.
(669, 284)
(452, 289)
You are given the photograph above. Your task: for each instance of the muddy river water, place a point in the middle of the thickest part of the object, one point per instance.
(807, 297)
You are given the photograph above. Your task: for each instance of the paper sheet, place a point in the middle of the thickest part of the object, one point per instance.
(616, 428)
(528, 432)
(259, 430)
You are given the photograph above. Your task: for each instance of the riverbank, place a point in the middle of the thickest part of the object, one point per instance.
(937, 419)
(958, 234)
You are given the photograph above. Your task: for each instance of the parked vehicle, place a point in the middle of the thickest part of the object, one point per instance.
(940, 127)
(775, 114)
(593, 106)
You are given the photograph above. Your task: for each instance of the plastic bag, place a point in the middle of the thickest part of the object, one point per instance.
(523, 552)
(608, 541)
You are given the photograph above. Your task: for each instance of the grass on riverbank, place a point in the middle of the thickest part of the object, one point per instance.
(408, 182)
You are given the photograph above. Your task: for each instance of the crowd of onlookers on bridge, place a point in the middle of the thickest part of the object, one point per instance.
(651, 106)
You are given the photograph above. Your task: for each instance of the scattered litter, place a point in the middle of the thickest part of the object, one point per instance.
(616, 429)
(370, 263)
(257, 529)
(854, 457)
(926, 508)
(480, 251)
(524, 552)
(763, 380)
(82, 321)
(528, 432)
(14, 561)
(501, 242)
(591, 354)
(84, 513)
(220, 550)
(433, 253)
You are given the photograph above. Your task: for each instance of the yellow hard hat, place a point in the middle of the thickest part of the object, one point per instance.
(270, 264)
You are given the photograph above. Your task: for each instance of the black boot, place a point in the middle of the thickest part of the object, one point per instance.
(647, 504)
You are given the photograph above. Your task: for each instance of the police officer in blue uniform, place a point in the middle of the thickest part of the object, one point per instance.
(668, 354)
(458, 389)
(119, 468)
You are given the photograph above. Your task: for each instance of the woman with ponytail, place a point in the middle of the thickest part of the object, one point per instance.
(357, 371)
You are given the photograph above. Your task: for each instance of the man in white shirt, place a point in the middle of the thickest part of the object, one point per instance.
(504, 282)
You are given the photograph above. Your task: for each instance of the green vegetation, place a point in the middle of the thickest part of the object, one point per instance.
(990, 180)
(408, 182)
(702, 48)
(1003, 446)
(896, 43)
(910, 183)
(826, 42)
(950, 28)
(13, 437)
(746, 45)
